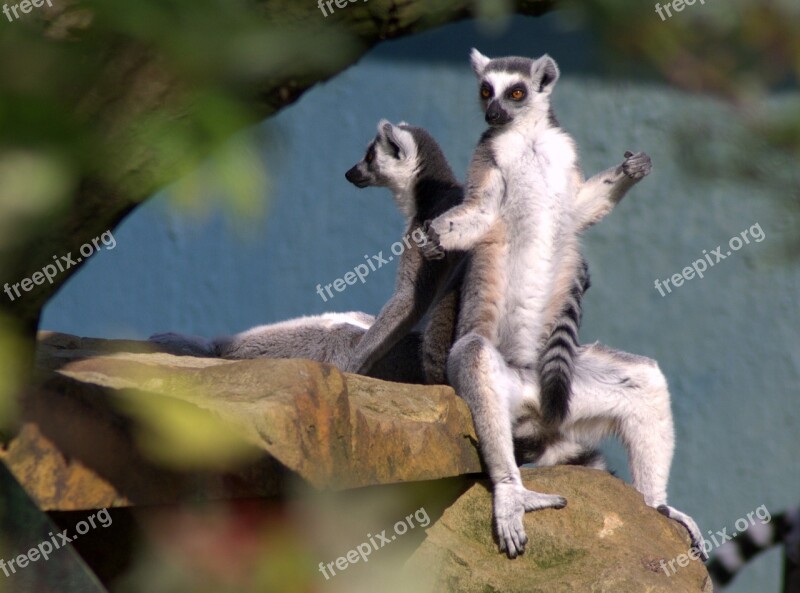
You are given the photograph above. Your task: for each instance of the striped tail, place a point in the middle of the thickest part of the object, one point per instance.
(734, 555)
(557, 359)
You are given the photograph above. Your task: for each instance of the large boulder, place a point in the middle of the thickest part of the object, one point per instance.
(78, 446)
(606, 540)
(96, 431)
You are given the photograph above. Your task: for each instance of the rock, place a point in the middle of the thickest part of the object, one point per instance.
(606, 540)
(77, 446)
(96, 431)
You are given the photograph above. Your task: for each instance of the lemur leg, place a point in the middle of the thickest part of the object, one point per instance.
(329, 337)
(619, 393)
(439, 334)
(479, 374)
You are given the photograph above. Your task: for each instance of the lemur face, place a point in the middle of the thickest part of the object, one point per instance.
(390, 160)
(514, 89)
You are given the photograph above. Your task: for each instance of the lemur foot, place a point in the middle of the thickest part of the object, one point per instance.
(180, 344)
(511, 502)
(685, 520)
(636, 165)
(431, 248)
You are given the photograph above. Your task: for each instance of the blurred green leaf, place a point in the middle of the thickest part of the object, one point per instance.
(15, 352)
(33, 185)
(183, 435)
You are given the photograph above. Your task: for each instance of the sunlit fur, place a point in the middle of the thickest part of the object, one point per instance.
(409, 162)
(523, 211)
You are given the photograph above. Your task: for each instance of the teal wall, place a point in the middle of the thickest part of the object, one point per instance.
(727, 342)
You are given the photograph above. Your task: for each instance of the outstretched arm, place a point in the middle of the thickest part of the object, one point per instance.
(599, 194)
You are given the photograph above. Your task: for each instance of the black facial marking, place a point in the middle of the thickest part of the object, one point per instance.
(357, 177)
(486, 87)
(496, 115)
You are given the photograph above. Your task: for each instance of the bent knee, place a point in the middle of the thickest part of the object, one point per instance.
(468, 355)
(468, 350)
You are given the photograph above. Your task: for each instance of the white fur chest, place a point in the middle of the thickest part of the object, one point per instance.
(536, 167)
(537, 210)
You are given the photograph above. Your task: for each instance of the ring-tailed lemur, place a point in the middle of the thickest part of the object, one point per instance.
(386, 163)
(410, 162)
(407, 160)
(520, 220)
(332, 337)
(732, 556)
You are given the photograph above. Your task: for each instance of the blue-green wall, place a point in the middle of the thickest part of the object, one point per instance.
(727, 343)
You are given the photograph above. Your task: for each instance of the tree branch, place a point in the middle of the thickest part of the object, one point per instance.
(129, 96)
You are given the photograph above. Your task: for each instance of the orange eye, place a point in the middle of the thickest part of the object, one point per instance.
(517, 94)
(485, 93)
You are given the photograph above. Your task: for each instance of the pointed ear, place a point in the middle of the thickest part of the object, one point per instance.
(397, 138)
(545, 73)
(382, 125)
(479, 61)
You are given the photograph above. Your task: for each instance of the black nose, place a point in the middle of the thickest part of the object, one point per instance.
(356, 177)
(492, 116)
(495, 115)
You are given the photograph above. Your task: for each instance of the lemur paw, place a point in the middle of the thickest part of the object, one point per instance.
(694, 531)
(511, 502)
(636, 165)
(180, 344)
(431, 248)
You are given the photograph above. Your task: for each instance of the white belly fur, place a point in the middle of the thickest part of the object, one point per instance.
(538, 213)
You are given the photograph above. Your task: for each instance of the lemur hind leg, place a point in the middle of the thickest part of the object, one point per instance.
(439, 334)
(485, 381)
(617, 393)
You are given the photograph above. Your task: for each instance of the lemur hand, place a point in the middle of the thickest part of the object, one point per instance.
(636, 165)
(511, 502)
(431, 248)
